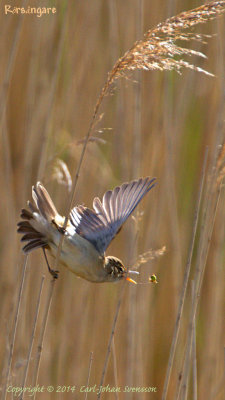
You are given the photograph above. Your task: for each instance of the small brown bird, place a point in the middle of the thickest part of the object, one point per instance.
(88, 232)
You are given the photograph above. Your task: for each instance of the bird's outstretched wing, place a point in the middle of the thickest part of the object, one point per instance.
(101, 225)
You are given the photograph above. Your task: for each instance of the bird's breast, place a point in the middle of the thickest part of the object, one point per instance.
(81, 257)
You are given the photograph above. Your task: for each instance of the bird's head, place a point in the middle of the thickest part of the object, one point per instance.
(116, 270)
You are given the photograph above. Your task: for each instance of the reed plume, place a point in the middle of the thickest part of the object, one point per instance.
(158, 47)
(148, 256)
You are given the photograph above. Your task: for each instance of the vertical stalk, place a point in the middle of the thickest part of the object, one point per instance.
(14, 329)
(42, 334)
(111, 338)
(185, 283)
(194, 355)
(32, 337)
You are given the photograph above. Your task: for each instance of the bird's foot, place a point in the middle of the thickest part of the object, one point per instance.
(55, 274)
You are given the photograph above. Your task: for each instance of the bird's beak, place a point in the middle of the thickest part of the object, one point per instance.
(129, 279)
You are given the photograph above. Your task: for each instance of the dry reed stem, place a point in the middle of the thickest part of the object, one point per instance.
(206, 235)
(190, 355)
(131, 348)
(137, 134)
(170, 139)
(42, 333)
(32, 119)
(32, 337)
(111, 337)
(211, 208)
(185, 282)
(132, 314)
(42, 165)
(3, 103)
(14, 329)
(115, 370)
(89, 373)
(120, 103)
(220, 166)
(8, 175)
(224, 368)
(216, 309)
(194, 355)
(43, 156)
(9, 69)
(209, 213)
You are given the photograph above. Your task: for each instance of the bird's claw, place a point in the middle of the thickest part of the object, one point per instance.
(54, 273)
(50, 270)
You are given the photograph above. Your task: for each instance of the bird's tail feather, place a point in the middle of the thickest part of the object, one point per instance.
(44, 211)
(44, 202)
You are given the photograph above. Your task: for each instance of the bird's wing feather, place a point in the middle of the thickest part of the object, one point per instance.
(101, 225)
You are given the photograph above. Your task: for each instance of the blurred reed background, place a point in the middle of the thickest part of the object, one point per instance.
(157, 123)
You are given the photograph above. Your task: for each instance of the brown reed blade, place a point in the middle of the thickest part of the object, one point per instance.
(220, 165)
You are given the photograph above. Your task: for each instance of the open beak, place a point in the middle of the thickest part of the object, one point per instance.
(131, 280)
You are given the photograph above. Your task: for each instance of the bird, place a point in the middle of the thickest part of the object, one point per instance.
(88, 232)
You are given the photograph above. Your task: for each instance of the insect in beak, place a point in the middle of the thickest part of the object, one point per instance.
(131, 280)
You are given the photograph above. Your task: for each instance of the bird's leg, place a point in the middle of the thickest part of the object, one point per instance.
(51, 271)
